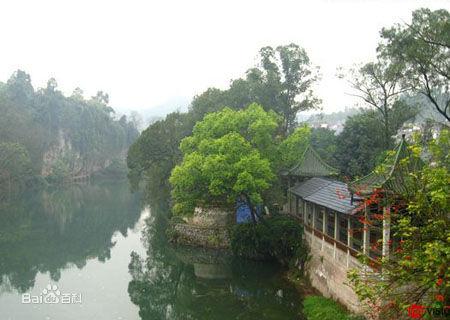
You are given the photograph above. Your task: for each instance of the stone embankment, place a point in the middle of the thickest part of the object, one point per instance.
(208, 228)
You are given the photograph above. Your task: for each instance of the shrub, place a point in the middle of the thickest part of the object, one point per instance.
(320, 308)
(278, 237)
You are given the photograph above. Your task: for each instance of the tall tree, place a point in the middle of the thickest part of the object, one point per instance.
(421, 51)
(283, 82)
(323, 140)
(360, 146)
(378, 85)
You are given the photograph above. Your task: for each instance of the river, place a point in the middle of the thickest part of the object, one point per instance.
(97, 251)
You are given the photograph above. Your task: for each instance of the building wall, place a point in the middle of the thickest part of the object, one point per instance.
(327, 270)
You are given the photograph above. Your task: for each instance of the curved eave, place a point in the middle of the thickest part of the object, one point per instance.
(364, 186)
(326, 169)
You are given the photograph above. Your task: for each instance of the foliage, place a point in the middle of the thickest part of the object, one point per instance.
(278, 237)
(291, 149)
(15, 167)
(226, 156)
(418, 270)
(43, 120)
(324, 141)
(378, 85)
(361, 146)
(420, 50)
(320, 308)
(283, 82)
(157, 148)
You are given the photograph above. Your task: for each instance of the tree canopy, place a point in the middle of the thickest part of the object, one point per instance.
(226, 156)
(420, 50)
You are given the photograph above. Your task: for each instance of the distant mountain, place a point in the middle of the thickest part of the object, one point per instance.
(334, 120)
(160, 111)
(151, 114)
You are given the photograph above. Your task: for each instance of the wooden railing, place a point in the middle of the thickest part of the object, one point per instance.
(340, 245)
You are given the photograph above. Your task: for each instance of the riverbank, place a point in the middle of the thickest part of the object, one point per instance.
(316, 306)
(246, 246)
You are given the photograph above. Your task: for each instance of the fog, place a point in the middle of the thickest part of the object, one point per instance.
(145, 54)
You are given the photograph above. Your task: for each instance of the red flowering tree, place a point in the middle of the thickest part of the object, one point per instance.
(418, 268)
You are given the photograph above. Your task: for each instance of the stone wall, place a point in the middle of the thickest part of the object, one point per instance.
(327, 271)
(194, 235)
(208, 228)
(212, 217)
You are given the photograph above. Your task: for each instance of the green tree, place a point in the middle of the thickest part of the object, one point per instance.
(227, 155)
(157, 148)
(283, 82)
(361, 144)
(378, 85)
(15, 167)
(324, 141)
(421, 51)
(58, 131)
(291, 149)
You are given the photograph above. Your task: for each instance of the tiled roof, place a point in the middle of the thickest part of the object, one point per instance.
(331, 194)
(311, 165)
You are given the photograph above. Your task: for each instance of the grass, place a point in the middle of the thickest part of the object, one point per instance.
(320, 308)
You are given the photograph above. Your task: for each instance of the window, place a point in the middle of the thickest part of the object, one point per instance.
(356, 234)
(343, 230)
(330, 223)
(292, 203)
(300, 207)
(308, 219)
(318, 223)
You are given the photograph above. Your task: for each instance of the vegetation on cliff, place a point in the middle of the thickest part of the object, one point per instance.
(55, 134)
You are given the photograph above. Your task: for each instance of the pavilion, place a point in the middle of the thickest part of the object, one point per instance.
(337, 218)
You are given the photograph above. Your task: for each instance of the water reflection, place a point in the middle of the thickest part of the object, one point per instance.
(52, 229)
(187, 283)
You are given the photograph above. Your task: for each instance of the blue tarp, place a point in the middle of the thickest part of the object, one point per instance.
(243, 213)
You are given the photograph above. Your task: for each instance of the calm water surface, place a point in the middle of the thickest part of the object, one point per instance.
(98, 243)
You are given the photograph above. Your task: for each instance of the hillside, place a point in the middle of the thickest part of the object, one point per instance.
(44, 133)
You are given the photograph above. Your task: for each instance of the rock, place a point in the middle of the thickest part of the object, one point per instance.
(193, 235)
(212, 217)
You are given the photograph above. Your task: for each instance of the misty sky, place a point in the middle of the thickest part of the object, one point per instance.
(144, 53)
